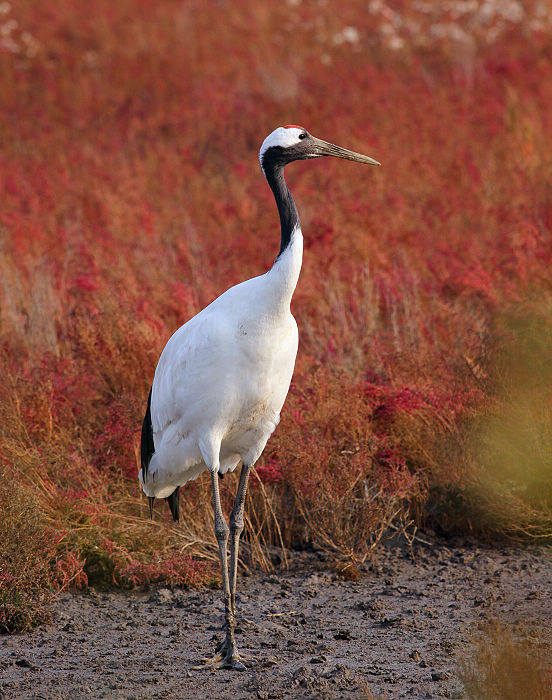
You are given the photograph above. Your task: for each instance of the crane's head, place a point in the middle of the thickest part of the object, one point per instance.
(288, 143)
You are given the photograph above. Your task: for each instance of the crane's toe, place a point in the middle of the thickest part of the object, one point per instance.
(233, 664)
(227, 657)
(235, 661)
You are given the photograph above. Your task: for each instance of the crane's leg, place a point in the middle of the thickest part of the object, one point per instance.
(228, 656)
(236, 528)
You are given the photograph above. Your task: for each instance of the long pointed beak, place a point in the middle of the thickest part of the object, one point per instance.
(151, 501)
(324, 148)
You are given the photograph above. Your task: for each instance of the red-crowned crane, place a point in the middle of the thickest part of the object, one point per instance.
(222, 378)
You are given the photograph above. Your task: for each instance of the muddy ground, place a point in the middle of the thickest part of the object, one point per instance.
(398, 631)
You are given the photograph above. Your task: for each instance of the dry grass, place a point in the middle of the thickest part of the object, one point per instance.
(31, 568)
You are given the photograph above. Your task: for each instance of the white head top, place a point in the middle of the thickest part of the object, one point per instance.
(282, 136)
(293, 142)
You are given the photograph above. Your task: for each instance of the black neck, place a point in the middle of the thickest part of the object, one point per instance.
(289, 218)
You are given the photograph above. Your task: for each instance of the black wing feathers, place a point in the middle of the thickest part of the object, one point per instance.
(174, 504)
(147, 448)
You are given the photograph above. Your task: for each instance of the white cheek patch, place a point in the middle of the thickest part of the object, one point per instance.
(281, 136)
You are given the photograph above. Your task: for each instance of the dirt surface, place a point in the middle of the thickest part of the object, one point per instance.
(398, 631)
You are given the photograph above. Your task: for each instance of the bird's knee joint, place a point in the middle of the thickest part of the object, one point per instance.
(236, 524)
(221, 530)
(236, 518)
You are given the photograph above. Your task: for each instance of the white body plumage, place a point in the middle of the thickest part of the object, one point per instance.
(222, 379)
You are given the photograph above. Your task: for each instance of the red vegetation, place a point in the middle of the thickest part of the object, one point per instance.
(132, 197)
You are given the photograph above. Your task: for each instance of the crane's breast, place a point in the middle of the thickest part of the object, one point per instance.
(264, 365)
(225, 374)
(264, 368)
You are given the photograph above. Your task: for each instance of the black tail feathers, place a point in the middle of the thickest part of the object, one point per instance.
(174, 504)
(147, 448)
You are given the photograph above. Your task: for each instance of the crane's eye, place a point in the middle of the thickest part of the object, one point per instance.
(302, 136)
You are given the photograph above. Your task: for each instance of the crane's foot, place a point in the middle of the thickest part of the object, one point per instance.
(233, 664)
(227, 657)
